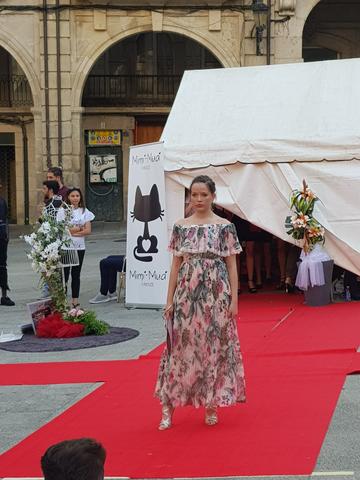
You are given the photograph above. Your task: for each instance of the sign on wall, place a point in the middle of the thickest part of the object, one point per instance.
(104, 137)
(148, 260)
(103, 168)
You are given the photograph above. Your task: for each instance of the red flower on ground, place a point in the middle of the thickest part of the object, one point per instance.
(54, 326)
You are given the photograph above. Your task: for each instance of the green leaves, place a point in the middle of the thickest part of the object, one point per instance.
(93, 326)
(302, 225)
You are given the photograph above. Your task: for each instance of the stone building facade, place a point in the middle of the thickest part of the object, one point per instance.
(81, 81)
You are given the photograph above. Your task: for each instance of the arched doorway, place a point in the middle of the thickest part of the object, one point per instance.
(127, 97)
(331, 31)
(15, 103)
(144, 69)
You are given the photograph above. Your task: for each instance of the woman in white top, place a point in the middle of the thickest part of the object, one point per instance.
(81, 219)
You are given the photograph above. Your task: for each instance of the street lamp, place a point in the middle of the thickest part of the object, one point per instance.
(260, 11)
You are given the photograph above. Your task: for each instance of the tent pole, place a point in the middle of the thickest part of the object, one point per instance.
(268, 34)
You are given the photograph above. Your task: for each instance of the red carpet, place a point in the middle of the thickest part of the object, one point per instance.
(296, 361)
(355, 366)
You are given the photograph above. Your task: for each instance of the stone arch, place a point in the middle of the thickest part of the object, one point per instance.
(89, 60)
(26, 63)
(303, 11)
(337, 38)
(334, 42)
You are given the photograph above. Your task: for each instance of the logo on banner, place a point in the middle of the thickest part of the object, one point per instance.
(147, 208)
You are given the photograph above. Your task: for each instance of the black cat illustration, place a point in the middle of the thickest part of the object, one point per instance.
(146, 209)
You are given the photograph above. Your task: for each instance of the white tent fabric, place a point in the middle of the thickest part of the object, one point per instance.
(259, 131)
(278, 113)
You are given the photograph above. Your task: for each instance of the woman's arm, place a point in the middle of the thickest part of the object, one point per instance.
(233, 279)
(175, 266)
(75, 229)
(81, 231)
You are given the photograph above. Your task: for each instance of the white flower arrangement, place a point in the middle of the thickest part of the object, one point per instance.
(47, 242)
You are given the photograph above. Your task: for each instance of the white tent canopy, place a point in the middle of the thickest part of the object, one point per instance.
(258, 131)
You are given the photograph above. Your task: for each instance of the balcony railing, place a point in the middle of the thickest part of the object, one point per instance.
(130, 90)
(15, 91)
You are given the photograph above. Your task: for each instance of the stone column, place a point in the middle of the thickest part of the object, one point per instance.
(73, 168)
(288, 36)
(127, 141)
(37, 167)
(65, 88)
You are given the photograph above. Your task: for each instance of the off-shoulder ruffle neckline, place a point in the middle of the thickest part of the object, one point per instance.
(203, 225)
(217, 238)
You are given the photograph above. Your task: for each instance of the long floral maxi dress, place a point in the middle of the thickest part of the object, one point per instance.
(204, 367)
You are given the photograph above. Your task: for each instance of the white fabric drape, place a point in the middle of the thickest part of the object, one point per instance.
(260, 193)
(311, 270)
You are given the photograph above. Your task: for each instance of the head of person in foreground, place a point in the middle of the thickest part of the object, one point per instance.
(79, 459)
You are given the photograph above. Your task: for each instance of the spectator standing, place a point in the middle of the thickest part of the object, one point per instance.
(52, 204)
(4, 240)
(56, 174)
(288, 257)
(81, 219)
(51, 194)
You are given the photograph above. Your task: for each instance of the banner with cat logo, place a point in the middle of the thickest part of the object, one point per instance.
(147, 258)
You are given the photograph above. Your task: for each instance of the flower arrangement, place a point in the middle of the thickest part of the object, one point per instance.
(46, 243)
(48, 240)
(54, 326)
(302, 225)
(92, 326)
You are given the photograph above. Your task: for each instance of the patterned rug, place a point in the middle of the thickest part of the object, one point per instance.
(31, 343)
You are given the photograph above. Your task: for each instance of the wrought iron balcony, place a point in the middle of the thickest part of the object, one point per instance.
(15, 91)
(130, 90)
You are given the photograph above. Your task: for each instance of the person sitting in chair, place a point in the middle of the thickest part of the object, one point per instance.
(109, 268)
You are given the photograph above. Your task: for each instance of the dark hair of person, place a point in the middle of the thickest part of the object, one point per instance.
(209, 182)
(79, 459)
(52, 185)
(57, 171)
(76, 189)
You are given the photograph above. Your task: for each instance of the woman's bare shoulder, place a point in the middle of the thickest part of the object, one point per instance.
(221, 220)
(181, 221)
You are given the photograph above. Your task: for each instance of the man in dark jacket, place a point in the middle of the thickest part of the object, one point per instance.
(4, 240)
(52, 199)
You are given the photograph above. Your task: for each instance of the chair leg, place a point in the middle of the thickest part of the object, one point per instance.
(122, 279)
(121, 286)
(119, 289)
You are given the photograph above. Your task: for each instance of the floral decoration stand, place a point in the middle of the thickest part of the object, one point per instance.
(319, 295)
(315, 269)
(50, 253)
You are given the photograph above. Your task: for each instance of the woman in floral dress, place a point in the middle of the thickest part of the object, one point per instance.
(202, 364)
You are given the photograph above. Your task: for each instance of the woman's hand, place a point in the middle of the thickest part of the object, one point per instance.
(75, 229)
(233, 309)
(168, 311)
